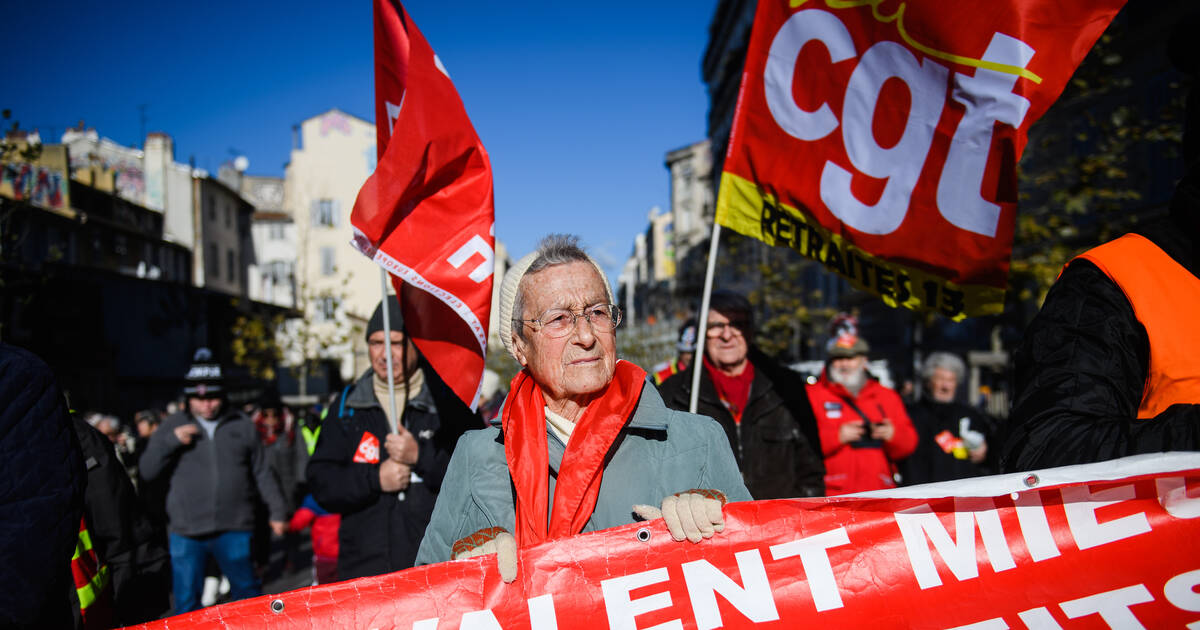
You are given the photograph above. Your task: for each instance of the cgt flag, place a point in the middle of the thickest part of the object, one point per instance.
(881, 138)
(426, 213)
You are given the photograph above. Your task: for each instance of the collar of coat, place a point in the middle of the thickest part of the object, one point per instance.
(647, 417)
(362, 395)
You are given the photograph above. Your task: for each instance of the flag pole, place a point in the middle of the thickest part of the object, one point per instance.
(702, 326)
(387, 335)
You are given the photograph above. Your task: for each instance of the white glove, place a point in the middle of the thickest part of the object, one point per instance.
(971, 439)
(694, 515)
(488, 541)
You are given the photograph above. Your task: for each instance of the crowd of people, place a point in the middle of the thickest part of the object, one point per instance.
(107, 525)
(396, 471)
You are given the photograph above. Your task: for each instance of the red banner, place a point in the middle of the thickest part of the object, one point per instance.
(426, 213)
(881, 138)
(1039, 551)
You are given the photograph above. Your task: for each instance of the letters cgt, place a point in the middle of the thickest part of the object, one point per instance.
(1112, 545)
(890, 133)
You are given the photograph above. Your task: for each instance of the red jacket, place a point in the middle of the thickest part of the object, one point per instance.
(849, 469)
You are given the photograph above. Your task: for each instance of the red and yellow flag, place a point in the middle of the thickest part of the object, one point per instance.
(881, 138)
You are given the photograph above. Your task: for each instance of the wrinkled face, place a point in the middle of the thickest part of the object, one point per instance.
(725, 343)
(943, 384)
(206, 408)
(377, 350)
(583, 361)
(848, 370)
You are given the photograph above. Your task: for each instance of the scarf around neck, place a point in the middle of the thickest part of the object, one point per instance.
(734, 391)
(578, 481)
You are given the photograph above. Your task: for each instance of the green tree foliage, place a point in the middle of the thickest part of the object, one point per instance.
(1093, 165)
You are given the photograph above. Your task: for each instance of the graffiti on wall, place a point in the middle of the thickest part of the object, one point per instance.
(130, 182)
(38, 184)
(335, 121)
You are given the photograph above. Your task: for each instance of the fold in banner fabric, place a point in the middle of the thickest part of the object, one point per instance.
(426, 214)
(881, 139)
(1108, 545)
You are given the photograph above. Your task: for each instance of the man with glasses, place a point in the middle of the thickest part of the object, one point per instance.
(211, 454)
(761, 405)
(584, 441)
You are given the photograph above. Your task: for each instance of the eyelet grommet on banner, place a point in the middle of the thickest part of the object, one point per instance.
(1031, 480)
(643, 534)
(277, 606)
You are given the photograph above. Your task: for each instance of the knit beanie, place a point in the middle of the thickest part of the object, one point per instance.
(204, 378)
(508, 294)
(395, 317)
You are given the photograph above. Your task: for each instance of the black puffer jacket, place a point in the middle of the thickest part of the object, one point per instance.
(776, 445)
(42, 481)
(380, 533)
(1082, 365)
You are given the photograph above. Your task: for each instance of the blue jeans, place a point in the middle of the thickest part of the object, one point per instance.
(189, 555)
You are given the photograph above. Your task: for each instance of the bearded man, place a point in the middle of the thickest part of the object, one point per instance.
(584, 442)
(864, 428)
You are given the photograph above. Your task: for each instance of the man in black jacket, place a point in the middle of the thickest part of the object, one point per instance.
(1084, 374)
(762, 405)
(380, 474)
(217, 471)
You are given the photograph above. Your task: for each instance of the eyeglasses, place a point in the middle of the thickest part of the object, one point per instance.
(718, 329)
(559, 322)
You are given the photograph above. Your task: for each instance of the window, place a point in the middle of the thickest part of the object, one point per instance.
(275, 232)
(327, 261)
(228, 216)
(229, 265)
(326, 308)
(279, 271)
(325, 212)
(214, 261)
(212, 208)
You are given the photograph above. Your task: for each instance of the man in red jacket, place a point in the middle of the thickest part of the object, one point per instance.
(864, 428)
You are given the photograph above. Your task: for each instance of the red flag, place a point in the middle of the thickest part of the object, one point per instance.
(426, 213)
(881, 138)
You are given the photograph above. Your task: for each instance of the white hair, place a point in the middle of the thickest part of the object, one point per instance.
(944, 361)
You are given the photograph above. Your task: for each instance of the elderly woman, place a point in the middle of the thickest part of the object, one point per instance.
(584, 441)
(952, 438)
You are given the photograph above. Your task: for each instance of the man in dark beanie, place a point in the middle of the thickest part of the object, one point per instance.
(1109, 366)
(382, 469)
(212, 457)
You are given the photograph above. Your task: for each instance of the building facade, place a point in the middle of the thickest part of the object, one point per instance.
(337, 287)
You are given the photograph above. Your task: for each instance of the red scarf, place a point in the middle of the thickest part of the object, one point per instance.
(734, 391)
(575, 492)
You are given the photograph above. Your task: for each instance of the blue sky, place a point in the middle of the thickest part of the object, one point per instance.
(577, 103)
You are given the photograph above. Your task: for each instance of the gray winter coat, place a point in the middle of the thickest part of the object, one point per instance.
(214, 483)
(660, 452)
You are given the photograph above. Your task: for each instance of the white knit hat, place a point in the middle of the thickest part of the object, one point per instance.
(508, 295)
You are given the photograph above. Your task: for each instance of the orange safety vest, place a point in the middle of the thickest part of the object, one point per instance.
(91, 581)
(1166, 300)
